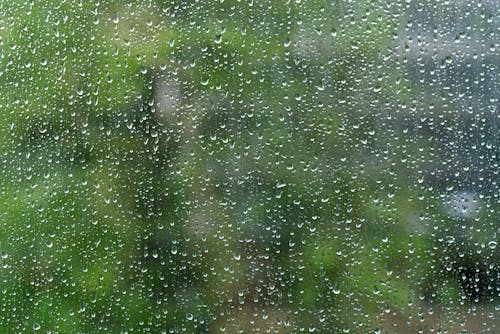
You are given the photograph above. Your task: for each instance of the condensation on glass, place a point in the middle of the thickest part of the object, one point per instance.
(249, 166)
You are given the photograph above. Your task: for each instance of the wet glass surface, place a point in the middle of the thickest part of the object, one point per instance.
(249, 166)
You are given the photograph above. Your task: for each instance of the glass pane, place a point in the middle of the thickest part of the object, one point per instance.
(249, 166)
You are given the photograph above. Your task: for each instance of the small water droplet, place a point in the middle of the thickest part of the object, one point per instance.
(173, 250)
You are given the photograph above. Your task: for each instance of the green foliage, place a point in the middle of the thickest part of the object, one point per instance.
(253, 184)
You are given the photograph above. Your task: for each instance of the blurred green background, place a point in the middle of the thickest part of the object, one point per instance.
(249, 166)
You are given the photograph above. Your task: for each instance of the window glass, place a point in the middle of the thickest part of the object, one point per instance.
(249, 166)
